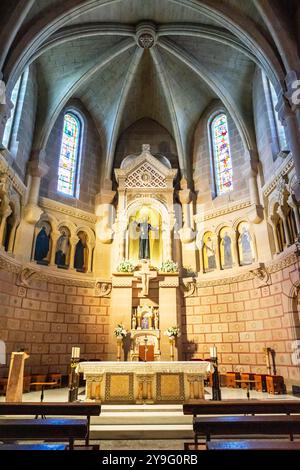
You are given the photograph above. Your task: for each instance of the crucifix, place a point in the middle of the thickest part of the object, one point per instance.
(145, 275)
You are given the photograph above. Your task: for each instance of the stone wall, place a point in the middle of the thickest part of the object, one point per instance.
(89, 166)
(47, 319)
(203, 163)
(241, 318)
(146, 131)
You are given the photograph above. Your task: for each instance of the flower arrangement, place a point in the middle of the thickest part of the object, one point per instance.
(168, 266)
(120, 331)
(126, 266)
(173, 331)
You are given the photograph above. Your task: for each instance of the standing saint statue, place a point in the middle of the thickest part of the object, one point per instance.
(62, 249)
(210, 252)
(245, 247)
(144, 246)
(42, 245)
(227, 251)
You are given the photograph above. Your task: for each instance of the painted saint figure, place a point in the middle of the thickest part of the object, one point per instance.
(227, 251)
(42, 245)
(245, 246)
(80, 255)
(210, 252)
(62, 249)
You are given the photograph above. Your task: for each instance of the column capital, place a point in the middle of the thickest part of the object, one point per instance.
(37, 167)
(105, 196)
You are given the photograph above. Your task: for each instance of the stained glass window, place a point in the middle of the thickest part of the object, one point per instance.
(279, 127)
(221, 154)
(68, 160)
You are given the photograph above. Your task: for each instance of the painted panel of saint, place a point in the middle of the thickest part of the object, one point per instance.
(81, 253)
(226, 248)
(245, 244)
(62, 249)
(209, 252)
(42, 243)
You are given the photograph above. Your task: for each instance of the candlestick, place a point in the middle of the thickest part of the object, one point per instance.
(213, 351)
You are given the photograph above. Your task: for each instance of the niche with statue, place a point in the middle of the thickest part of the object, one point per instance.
(145, 334)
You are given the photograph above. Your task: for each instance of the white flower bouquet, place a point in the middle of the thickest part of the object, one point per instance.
(126, 266)
(173, 331)
(120, 331)
(168, 266)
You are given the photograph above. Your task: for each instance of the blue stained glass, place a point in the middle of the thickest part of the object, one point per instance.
(221, 154)
(68, 160)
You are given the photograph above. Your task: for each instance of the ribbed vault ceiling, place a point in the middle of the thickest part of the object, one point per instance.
(92, 54)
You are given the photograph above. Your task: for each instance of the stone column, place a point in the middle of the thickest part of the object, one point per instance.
(285, 225)
(90, 248)
(55, 234)
(36, 169)
(32, 212)
(288, 117)
(293, 204)
(73, 243)
(273, 225)
(105, 212)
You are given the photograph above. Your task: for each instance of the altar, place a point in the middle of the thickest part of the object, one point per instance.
(145, 382)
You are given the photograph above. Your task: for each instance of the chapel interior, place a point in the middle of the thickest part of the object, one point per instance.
(150, 203)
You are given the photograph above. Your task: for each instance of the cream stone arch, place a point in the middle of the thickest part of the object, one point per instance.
(167, 222)
(53, 222)
(235, 226)
(232, 233)
(91, 241)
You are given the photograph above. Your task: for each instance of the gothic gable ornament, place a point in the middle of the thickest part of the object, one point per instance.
(144, 171)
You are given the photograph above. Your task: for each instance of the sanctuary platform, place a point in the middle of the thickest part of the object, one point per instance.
(144, 382)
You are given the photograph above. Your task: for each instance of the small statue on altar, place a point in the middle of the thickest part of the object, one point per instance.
(156, 321)
(134, 320)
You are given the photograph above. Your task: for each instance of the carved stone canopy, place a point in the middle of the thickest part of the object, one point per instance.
(145, 172)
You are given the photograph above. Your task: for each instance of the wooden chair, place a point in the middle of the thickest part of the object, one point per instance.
(275, 384)
(57, 378)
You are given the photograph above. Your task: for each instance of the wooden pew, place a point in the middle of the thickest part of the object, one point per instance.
(253, 445)
(33, 447)
(245, 425)
(236, 407)
(58, 429)
(52, 409)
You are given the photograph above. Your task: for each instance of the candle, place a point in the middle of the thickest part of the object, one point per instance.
(73, 352)
(213, 351)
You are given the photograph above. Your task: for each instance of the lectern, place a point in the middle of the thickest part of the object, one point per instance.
(14, 389)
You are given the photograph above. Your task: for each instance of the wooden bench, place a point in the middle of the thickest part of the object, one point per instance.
(253, 445)
(33, 447)
(35, 429)
(52, 409)
(245, 425)
(241, 407)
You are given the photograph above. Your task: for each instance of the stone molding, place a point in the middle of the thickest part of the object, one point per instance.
(283, 171)
(16, 181)
(49, 204)
(223, 211)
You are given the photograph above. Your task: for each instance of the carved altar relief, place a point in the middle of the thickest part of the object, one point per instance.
(145, 332)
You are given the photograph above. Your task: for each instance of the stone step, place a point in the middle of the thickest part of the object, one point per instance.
(115, 418)
(141, 431)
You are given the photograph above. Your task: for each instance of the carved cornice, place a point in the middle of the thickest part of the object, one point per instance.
(220, 212)
(55, 206)
(16, 181)
(283, 170)
(31, 271)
